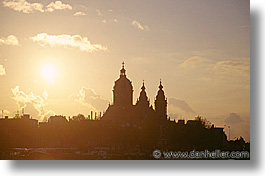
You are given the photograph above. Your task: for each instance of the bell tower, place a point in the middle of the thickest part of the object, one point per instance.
(161, 103)
(143, 99)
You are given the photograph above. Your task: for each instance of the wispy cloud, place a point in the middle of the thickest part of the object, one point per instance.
(58, 5)
(39, 103)
(181, 104)
(68, 41)
(80, 14)
(26, 7)
(242, 66)
(207, 69)
(195, 61)
(2, 70)
(9, 40)
(88, 97)
(140, 26)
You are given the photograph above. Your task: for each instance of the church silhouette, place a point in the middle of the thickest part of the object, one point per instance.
(123, 107)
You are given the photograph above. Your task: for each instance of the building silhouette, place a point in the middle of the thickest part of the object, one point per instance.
(124, 131)
(123, 108)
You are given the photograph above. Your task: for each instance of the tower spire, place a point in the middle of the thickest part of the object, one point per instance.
(122, 69)
(143, 87)
(123, 64)
(143, 99)
(160, 85)
(161, 102)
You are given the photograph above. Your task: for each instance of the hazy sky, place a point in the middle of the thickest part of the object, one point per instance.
(62, 57)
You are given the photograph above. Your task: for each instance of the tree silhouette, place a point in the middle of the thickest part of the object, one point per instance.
(205, 123)
(79, 117)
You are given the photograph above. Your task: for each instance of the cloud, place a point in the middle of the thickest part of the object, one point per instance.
(67, 41)
(139, 26)
(236, 70)
(23, 5)
(237, 126)
(2, 70)
(181, 104)
(32, 101)
(80, 14)
(88, 97)
(26, 7)
(110, 21)
(233, 119)
(9, 40)
(195, 61)
(242, 66)
(45, 95)
(99, 12)
(57, 5)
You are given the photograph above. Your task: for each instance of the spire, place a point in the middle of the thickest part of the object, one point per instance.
(143, 87)
(160, 94)
(123, 70)
(161, 102)
(143, 99)
(160, 86)
(123, 64)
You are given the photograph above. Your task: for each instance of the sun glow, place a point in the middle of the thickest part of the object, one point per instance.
(48, 72)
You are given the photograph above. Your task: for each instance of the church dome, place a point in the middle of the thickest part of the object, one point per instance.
(123, 83)
(122, 90)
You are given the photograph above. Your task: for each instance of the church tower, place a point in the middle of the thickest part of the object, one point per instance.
(143, 99)
(123, 90)
(161, 103)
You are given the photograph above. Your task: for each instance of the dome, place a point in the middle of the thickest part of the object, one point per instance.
(122, 90)
(123, 83)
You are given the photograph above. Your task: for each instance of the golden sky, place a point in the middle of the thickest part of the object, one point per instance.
(62, 57)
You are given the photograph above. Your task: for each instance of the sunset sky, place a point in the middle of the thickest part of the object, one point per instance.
(62, 57)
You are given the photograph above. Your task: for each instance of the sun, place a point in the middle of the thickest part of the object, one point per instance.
(48, 72)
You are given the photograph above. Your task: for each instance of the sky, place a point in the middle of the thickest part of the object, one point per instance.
(62, 57)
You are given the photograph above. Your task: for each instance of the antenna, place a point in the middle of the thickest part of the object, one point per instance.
(22, 111)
